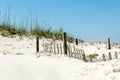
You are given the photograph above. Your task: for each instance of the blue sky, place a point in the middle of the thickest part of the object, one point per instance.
(90, 20)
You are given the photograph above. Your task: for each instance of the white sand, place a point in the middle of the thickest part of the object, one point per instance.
(54, 67)
(26, 67)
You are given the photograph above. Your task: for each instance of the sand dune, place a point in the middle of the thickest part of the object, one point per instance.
(19, 62)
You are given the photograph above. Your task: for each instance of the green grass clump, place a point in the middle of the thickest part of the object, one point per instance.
(70, 38)
(21, 31)
(8, 28)
(92, 56)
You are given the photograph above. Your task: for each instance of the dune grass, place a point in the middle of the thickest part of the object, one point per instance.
(36, 31)
(28, 27)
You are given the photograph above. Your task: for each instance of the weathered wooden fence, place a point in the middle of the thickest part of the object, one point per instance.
(58, 48)
(72, 50)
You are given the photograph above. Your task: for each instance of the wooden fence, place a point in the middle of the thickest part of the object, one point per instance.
(73, 51)
(58, 48)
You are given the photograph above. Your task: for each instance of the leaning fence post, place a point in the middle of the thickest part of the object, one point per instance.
(37, 44)
(65, 43)
(84, 57)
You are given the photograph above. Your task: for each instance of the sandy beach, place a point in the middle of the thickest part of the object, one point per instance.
(18, 61)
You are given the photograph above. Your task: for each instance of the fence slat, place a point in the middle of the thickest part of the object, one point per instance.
(54, 49)
(61, 48)
(57, 48)
(116, 55)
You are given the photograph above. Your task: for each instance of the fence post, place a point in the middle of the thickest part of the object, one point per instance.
(65, 43)
(103, 55)
(109, 45)
(110, 56)
(37, 44)
(76, 41)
